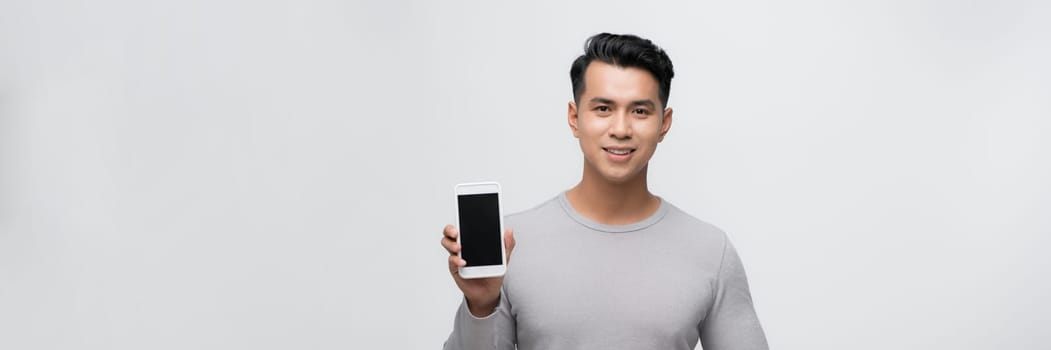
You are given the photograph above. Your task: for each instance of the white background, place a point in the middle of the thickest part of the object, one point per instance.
(264, 175)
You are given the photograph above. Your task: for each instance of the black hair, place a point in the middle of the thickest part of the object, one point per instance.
(623, 50)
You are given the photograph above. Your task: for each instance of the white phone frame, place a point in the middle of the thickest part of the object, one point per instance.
(482, 271)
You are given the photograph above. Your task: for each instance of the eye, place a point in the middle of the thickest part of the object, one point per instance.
(641, 111)
(602, 108)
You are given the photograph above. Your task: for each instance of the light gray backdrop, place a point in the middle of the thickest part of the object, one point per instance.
(275, 175)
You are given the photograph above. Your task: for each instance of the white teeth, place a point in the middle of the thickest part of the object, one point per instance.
(618, 151)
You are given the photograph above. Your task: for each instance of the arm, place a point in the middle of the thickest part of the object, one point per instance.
(484, 319)
(731, 322)
(493, 331)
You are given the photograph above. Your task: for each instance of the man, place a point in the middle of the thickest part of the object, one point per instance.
(607, 264)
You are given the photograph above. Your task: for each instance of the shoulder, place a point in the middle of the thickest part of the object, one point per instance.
(683, 220)
(696, 232)
(543, 211)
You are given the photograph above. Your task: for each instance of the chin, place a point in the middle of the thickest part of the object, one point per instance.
(616, 174)
(619, 177)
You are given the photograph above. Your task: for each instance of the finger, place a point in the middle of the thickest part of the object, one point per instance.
(452, 264)
(509, 242)
(450, 231)
(455, 263)
(450, 245)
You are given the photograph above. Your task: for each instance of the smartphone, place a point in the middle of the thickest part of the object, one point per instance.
(481, 225)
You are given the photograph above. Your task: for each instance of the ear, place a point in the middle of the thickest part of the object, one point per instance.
(665, 124)
(571, 114)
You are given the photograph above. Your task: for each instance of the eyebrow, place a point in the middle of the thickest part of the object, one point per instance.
(602, 100)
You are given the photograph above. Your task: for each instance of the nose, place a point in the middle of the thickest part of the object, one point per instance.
(620, 126)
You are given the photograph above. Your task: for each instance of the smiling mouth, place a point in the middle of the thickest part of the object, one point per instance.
(619, 152)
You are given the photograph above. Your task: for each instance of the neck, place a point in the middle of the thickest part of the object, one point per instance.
(612, 203)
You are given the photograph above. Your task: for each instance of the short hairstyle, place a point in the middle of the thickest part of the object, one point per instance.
(623, 50)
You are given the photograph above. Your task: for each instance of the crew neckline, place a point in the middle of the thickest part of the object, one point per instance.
(635, 226)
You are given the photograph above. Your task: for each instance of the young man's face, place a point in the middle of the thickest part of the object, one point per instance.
(619, 120)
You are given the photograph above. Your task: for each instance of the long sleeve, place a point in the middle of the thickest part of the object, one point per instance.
(496, 331)
(732, 323)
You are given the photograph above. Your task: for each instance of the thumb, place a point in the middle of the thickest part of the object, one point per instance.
(509, 242)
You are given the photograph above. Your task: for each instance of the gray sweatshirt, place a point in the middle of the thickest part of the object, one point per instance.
(662, 283)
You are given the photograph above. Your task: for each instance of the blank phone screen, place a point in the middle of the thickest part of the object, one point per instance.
(480, 229)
